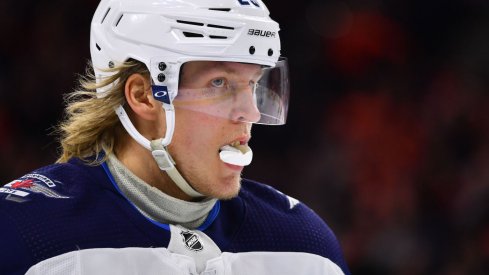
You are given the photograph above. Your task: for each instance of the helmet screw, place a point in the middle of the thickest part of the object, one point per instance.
(162, 66)
(111, 64)
(270, 52)
(252, 49)
(161, 77)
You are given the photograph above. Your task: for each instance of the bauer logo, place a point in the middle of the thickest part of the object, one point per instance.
(249, 3)
(191, 240)
(257, 32)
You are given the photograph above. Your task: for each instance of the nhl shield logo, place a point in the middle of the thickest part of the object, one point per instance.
(191, 240)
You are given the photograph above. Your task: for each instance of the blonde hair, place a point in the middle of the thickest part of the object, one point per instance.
(90, 127)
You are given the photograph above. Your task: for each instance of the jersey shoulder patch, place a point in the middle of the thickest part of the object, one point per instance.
(22, 189)
(59, 181)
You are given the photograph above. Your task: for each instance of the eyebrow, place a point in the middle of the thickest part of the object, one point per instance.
(217, 66)
(214, 66)
(222, 65)
(236, 71)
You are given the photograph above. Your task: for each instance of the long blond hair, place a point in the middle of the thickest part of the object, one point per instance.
(90, 126)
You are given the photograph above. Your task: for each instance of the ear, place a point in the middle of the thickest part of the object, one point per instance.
(139, 97)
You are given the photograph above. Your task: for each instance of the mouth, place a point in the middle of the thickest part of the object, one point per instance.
(236, 153)
(240, 145)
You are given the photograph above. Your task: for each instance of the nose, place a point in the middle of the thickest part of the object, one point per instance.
(244, 107)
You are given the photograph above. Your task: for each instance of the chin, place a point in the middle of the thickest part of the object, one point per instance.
(227, 188)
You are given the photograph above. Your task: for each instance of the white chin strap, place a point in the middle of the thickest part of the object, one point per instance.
(158, 147)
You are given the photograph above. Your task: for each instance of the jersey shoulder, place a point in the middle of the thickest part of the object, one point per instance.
(278, 208)
(41, 211)
(274, 221)
(57, 181)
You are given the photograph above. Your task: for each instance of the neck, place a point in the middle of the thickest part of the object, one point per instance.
(155, 204)
(141, 163)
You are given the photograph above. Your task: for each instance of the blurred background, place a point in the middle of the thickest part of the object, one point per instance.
(387, 137)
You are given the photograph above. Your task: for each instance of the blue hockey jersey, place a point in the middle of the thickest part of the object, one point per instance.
(74, 213)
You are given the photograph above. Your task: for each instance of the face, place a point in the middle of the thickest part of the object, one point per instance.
(215, 107)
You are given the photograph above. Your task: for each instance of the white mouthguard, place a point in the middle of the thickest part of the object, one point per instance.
(240, 155)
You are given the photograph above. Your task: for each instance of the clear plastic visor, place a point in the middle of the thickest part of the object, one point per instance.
(235, 91)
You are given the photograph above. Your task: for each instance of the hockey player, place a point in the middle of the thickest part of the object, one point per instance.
(154, 143)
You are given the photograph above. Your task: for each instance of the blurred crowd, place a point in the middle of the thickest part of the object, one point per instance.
(387, 137)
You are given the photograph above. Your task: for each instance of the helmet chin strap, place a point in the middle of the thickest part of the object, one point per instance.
(158, 147)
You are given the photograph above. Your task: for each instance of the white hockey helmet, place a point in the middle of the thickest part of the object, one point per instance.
(164, 34)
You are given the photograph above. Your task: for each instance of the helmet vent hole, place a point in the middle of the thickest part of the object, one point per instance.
(98, 47)
(217, 37)
(105, 15)
(192, 34)
(118, 21)
(220, 27)
(190, 23)
(220, 9)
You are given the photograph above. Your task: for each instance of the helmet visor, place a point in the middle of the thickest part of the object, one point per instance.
(237, 91)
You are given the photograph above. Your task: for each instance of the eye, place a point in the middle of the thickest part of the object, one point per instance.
(218, 82)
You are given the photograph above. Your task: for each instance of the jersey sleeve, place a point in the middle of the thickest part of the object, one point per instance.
(15, 257)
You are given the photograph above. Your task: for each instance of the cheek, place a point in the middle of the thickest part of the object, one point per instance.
(195, 131)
